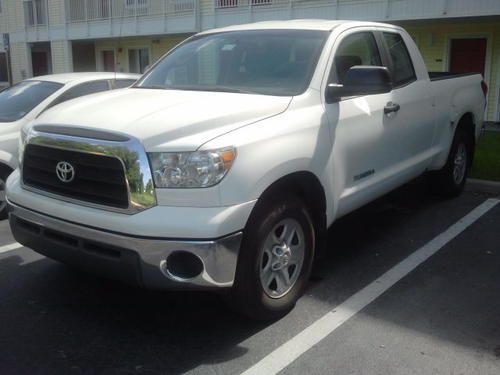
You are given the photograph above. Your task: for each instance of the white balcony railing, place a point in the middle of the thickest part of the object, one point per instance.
(221, 4)
(92, 10)
(35, 13)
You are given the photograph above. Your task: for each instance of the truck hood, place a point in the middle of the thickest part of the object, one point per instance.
(166, 120)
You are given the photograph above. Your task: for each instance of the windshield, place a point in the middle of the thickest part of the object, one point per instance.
(18, 100)
(270, 62)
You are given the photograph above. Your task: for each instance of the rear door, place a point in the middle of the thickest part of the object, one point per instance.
(414, 99)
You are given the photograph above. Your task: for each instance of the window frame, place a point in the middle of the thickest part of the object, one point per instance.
(409, 81)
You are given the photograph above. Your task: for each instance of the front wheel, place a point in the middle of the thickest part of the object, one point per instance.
(275, 259)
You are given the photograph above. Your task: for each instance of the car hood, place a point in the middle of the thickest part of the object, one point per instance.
(166, 120)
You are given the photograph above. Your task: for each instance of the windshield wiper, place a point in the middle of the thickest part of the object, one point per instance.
(230, 89)
(190, 88)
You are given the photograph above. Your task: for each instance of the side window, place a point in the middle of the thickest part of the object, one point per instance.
(83, 89)
(123, 83)
(402, 66)
(356, 49)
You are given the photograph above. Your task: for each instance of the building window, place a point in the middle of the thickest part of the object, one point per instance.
(138, 60)
(35, 13)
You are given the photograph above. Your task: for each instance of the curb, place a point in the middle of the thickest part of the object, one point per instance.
(483, 186)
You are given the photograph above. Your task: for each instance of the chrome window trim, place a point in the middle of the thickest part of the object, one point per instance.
(137, 200)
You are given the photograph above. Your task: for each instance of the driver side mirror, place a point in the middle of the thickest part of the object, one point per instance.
(360, 80)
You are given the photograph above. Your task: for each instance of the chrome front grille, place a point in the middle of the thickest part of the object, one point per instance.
(106, 172)
(98, 179)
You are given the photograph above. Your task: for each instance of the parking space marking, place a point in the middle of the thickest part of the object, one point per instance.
(283, 356)
(10, 247)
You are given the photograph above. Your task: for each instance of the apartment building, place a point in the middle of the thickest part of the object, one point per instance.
(53, 36)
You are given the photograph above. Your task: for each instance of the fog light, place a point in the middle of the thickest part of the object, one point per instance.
(183, 265)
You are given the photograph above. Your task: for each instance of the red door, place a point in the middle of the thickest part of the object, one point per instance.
(108, 61)
(468, 55)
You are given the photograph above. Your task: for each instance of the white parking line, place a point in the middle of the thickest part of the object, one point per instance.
(10, 247)
(312, 335)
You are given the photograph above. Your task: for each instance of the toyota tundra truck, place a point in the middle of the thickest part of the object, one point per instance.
(223, 166)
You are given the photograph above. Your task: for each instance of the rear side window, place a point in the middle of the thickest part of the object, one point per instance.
(82, 89)
(403, 71)
(123, 83)
(355, 49)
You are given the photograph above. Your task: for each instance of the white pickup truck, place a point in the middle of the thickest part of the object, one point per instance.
(225, 164)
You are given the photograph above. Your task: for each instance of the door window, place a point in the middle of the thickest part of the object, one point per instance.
(83, 89)
(356, 49)
(123, 83)
(402, 66)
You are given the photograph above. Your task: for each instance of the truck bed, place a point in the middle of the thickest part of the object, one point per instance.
(439, 76)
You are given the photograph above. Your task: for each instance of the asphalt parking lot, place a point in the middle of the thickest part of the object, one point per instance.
(439, 317)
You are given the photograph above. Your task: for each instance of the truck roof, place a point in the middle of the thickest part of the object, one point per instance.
(298, 24)
(65, 78)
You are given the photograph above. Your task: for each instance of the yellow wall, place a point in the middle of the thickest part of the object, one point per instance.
(56, 12)
(433, 41)
(20, 61)
(61, 56)
(206, 6)
(158, 46)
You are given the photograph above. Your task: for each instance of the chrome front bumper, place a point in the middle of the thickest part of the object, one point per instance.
(138, 260)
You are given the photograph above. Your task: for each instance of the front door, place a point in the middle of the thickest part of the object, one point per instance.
(365, 139)
(468, 55)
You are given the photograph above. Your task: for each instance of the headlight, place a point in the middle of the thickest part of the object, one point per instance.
(191, 169)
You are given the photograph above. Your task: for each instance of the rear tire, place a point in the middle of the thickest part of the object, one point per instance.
(449, 182)
(275, 259)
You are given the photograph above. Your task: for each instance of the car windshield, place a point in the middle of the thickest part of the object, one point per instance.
(269, 62)
(18, 100)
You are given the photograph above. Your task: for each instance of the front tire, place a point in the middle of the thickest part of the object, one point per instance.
(275, 259)
(449, 182)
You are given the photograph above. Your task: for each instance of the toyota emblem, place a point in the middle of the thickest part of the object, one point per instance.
(65, 171)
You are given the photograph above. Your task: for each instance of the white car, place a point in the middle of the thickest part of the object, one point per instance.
(26, 100)
(223, 166)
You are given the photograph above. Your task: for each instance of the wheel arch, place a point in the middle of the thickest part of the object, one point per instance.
(468, 125)
(308, 188)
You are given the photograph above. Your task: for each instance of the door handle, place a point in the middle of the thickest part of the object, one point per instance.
(391, 107)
